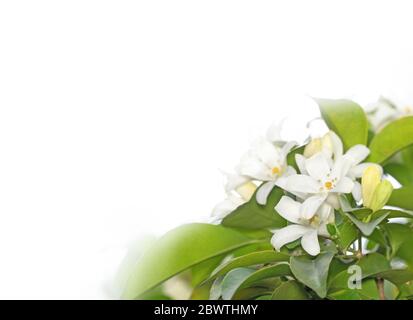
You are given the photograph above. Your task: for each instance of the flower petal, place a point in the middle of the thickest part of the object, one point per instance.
(252, 167)
(345, 185)
(289, 209)
(300, 161)
(267, 153)
(234, 181)
(302, 183)
(310, 206)
(288, 234)
(226, 206)
(309, 242)
(357, 153)
(357, 191)
(337, 144)
(357, 171)
(317, 166)
(285, 150)
(264, 191)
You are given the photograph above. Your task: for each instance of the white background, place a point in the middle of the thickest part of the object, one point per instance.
(115, 116)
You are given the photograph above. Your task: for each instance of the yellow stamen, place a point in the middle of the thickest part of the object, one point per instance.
(275, 170)
(328, 185)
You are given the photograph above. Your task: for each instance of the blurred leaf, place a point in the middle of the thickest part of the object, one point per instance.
(398, 277)
(393, 138)
(397, 235)
(347, 119)
(400, 172)
(407, 157)
(368, 291)
(216, 289)
(290, 290)
(201, 271)
(250, 259)
(313, 273)
(252, 215)
(178, 250)
(402, 198)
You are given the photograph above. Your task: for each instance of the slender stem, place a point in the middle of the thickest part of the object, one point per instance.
(380, 288)
(360, 247)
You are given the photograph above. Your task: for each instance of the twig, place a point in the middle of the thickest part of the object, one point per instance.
(380, 288)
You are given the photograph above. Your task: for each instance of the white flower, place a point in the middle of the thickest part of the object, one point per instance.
(239, 190)
(308, 229)
(322, 180)
(332, 146)
(267, 161)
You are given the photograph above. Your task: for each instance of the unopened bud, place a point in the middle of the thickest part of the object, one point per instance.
(315, 146)
(369, 182)
(246, 190)
(381, 195)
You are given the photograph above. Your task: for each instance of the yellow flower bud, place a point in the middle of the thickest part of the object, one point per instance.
(369, 182)
(381, 195)
(246, 190)
(313, 147)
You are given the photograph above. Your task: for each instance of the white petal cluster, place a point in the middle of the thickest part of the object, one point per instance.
(312, 194)
(323, 177)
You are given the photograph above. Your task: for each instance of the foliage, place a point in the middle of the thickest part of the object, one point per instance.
(235, 260)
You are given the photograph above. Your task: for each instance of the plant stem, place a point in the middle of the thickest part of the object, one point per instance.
(380, 288)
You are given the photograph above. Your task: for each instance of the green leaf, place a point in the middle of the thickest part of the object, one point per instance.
(393, 138)
(402, 198)
(400, 172)
(347, 119)
(252, 215)
(240, 278)
(313, 273)
(367, 228)
(290, 290)
(181, 249)
(347, 234)
(398, 277)
(201, 271)
(370, 265)
(233, 280)
(368, 291)
(407, 157)
(250, 259)
(397, 235)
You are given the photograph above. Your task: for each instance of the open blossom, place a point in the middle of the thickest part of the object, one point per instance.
(323, 179)
(266, 161)
(308, 229)
(239, 190)
(332, 146)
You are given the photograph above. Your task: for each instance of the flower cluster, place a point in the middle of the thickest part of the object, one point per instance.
(312, 193)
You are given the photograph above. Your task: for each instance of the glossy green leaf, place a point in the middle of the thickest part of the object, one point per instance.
(251, 259)
(347, 119)
(252, 215)
(178, 250)
(402, 198)
(313, 273)
(290, 290)
(367, 228)
(368, 291)
(347, 233)
(233, 280)
(393, 138)
(240, 278)
(370, 265)
(407, 157)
